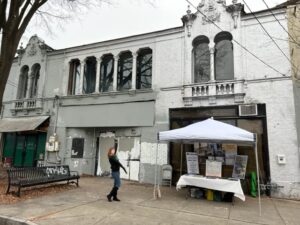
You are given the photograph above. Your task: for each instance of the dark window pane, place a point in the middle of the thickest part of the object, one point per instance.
(77, 148)
(22, 86)
(144, 69)
(124, 71)
(74, 78)
(89, 79)
(106, 73)
(201, 63)
(224, 60)
(35, 75)
(76, 82)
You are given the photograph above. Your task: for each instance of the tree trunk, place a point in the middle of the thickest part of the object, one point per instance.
(6, 60)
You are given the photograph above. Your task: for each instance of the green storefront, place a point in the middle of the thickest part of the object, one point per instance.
(24, 150)
(24, 140)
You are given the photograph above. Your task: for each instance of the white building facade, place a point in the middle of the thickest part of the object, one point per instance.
(122, 92)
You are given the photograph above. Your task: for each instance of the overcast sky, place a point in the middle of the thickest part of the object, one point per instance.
(123, 18)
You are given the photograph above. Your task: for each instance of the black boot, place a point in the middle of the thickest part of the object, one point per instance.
(111, 194)
(115, 198)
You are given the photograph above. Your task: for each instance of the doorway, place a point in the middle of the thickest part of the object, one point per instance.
(24, 150)
(128, 151)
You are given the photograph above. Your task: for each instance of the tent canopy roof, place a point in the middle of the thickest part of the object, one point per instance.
(208, 131)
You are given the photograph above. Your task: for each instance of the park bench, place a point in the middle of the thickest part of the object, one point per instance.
(32, 176)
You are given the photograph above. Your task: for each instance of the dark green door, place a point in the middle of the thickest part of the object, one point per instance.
(9, 145)
(41, 145)
(19, 151)
(30, 150)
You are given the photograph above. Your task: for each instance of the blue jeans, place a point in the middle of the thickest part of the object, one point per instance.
(117, 180)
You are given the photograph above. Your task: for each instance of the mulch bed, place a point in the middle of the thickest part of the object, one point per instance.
(30, 192)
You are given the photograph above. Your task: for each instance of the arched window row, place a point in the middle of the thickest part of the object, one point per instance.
(28, 81)
(213, 63)
(125, 71)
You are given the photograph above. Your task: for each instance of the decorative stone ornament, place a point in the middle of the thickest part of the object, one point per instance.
(32, 50)
(211, 12)
(188, 20)
(20, 53)
(235, 10)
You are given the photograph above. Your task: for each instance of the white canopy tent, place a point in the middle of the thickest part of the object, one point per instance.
(212, 131)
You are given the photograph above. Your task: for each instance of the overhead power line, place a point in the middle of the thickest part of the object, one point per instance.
(262, 26)
(243, 47)
(294, 41)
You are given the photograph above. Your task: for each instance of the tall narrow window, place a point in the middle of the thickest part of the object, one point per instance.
(22, 85)
(89, 78)
(144, 69)
(201, 59)
(74, 78)
(124, 71)
(106, 73)
(35, 76)
(224, 67)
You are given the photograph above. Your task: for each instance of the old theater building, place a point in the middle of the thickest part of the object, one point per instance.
(87, 98)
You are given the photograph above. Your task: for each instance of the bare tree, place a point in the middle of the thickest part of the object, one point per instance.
(15, 16)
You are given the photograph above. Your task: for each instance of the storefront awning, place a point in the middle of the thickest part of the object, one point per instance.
(21, 124)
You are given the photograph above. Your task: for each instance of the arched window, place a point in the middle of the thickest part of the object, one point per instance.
(74, 77)
(89, 78)
(144, 69)
(23, 79)
(201, 56)
(106, 73)
(224, 69)
(34, 79)
(124, 71)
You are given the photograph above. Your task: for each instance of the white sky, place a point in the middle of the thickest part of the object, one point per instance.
(123, 18)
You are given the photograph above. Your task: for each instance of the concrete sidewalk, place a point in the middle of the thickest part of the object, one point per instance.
(88, 205)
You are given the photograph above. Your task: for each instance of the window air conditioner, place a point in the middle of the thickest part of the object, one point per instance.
(248, 110)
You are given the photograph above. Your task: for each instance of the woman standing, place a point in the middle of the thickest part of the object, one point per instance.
(115, 173)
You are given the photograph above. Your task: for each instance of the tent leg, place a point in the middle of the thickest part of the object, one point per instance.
(257, 171)
(156, 190)
(181, 152)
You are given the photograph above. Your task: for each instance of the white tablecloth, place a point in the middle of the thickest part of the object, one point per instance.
(218, 184)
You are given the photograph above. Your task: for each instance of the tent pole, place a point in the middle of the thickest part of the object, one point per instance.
(257, 171)
(181, 152)
(155, 176)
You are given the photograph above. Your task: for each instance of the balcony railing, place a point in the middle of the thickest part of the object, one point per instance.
(215, 89)
(27, 104)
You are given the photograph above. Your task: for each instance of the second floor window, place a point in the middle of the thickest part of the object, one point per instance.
(201, 56)
(106, 73)
(124, 71)
(34, 79)
(22, 85)
(144, 69)
(74, 78)
(89, 78)
(224, 69)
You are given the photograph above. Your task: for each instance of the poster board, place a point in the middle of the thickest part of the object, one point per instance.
(240, 166)
(230, 151)
(213, 168)
(192, 163)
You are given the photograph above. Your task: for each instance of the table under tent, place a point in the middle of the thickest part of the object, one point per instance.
(212, 131)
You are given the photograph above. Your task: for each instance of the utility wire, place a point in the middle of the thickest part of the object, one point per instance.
(243, 47)
(280, 23)
(270, 35)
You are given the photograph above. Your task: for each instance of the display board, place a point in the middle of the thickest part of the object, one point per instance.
(240, 166)
(192, 163)
(213, 168)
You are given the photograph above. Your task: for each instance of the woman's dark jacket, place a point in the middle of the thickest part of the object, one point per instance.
(115, 164)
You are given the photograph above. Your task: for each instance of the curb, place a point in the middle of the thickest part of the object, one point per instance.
(6, 220)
